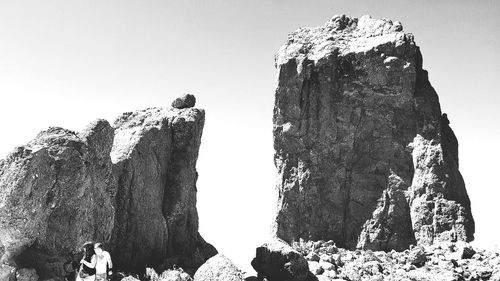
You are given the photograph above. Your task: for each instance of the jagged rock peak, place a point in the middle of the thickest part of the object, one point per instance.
(343, 34)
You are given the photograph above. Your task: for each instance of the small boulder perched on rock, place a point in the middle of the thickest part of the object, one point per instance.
(220, 268)
(277, 261)
(185, 101)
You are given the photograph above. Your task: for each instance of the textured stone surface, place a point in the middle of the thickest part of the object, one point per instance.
(176, 274)
(7, 272)
(277, 261)
(185, 101)
(219, 268)
(26, 274)
(363, 153)
(154, 155)
(131, 186)
(56, 193)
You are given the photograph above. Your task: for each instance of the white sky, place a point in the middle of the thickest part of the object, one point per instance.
(66, 63)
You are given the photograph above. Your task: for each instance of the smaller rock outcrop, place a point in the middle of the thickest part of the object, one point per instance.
(56, 193)
(219, 268)
(277, 261)
(130, 186)
(185, 101)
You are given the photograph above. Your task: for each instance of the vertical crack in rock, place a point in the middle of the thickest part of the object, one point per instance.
(364, 156)
(157, 222)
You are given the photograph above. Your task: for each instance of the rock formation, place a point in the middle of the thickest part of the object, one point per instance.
(56, 193)
(131, 186)
(364, 155)
(154, 159)
(277, 261)
(185, 101)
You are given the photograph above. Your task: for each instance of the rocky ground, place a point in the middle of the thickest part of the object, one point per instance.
(442, 261)
(324, 261)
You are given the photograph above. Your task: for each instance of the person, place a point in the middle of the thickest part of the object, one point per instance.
(104, 265)
(87, 264)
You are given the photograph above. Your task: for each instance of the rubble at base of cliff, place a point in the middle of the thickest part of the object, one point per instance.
(443, 261)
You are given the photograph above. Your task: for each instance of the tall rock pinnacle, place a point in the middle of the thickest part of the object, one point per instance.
(364, 155)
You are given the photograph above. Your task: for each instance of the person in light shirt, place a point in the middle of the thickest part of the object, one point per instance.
(104, 265)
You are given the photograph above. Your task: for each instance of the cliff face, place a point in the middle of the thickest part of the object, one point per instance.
(56, 193)
(364, 156)
(131, 186)
(154, 156)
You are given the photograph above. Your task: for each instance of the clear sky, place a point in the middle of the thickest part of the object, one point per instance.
(65, 63)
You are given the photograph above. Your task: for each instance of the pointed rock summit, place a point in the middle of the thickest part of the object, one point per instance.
(365, 156)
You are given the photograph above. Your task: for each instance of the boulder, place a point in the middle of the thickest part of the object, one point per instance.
(467, 252)
(417, 256)
(364, 155)
(185, 101)
(218, 268)
(277, 261)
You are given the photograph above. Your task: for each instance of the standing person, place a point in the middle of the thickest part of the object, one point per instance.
(104, 265)
(87, 264)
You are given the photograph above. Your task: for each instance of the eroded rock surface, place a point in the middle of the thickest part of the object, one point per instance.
(131, 186)
(277, 261)
(56, 193)
(185, 101)
(154, 159)
(364, 155)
